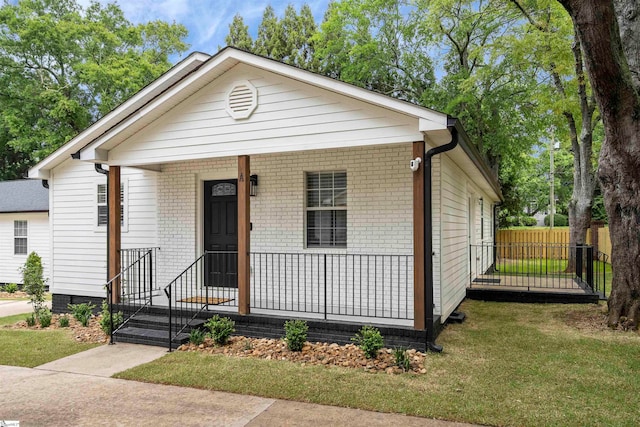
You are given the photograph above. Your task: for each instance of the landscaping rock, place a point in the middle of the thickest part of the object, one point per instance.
(321, 354)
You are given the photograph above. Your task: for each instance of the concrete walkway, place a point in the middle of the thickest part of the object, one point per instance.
(77, 391)
(11, 307)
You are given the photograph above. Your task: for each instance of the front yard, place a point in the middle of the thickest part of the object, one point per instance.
(508, 364)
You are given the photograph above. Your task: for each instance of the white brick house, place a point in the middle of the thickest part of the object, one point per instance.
(336, 229)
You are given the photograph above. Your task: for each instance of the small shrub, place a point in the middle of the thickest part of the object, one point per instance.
(104, 320)
(33, 282)
(63, 321)
(295, 334)
(559, 220)
(44, 317)
(82, 312)
(221, 329)
(247, 345)
(529, 221)
(31, 320)
(196, 336)
(401, 358)
(11, 288)
(370, 340)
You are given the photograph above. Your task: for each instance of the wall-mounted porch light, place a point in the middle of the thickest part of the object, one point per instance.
(253, 185)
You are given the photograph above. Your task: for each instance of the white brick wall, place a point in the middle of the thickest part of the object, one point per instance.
(379, 216)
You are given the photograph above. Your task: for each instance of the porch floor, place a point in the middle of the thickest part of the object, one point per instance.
(529, 283)
(530, 289)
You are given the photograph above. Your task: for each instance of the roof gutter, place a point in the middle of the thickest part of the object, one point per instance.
(428, 235)
(105, 172)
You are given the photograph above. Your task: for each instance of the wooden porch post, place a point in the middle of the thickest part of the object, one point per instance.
(115, 214)
(418, 239)
(244, 237)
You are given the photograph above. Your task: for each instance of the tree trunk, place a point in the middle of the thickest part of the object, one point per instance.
(616, 93)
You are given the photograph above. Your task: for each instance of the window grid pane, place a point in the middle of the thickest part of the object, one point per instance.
(20, 237)
(20, 228)
(326, 227)
(20, 246)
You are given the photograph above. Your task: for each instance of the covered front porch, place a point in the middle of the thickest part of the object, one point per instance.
(289, 271)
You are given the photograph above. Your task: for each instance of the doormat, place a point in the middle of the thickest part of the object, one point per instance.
(205, 300)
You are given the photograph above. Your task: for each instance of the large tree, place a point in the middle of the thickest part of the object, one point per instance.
(570, 100)
(609, 33)
(63, 66)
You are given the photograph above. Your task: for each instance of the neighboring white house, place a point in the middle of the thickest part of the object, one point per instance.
(330, 170)
(24, 227)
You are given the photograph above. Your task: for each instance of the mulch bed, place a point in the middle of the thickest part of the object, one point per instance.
(323, 354)
(89, 334)
(14, 295)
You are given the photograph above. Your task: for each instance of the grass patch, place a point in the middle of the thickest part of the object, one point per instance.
(541, 370)
(29, 348)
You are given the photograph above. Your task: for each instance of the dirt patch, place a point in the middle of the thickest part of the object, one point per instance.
(324, 354)
(588, 320)
(89, 334)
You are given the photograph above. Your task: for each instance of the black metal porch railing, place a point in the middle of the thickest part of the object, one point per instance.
(134, 284)
(377, 286)
(537, 266)
(211, 280)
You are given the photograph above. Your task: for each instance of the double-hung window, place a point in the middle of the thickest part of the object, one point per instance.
(326, 209)
(20, 237)
(103, 211)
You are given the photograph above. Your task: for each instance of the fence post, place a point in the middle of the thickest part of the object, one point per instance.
(110, 313)
(590, 266)
(325, 286)
(168, 292)
(579, 259)
(150, 253)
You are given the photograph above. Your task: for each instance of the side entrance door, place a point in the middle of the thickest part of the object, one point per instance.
(221, 233)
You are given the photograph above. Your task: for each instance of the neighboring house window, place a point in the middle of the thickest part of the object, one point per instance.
(20, 237)
(103, 211)
(326, 209)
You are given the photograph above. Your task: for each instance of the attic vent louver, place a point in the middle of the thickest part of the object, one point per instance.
(242, 100)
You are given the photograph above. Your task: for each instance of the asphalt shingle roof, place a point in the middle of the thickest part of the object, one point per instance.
(23, 196)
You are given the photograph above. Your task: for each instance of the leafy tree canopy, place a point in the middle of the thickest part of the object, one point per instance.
(63, 66)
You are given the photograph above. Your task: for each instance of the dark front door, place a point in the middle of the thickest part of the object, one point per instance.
(221, 232)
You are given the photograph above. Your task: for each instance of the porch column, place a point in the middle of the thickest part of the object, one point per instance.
(114, 204)
(418, 239)
(244, 237)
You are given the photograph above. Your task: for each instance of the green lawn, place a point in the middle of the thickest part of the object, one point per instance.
(508, 364)
(29, 348)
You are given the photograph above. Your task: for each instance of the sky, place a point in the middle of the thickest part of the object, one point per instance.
(207, 20)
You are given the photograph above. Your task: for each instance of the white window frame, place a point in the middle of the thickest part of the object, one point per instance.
(124, 196)
(307, 208)
(24, 236)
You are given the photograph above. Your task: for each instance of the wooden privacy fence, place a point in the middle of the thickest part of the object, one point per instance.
(554, 241)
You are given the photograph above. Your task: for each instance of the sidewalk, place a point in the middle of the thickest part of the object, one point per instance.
(12, 307)
(77, 391)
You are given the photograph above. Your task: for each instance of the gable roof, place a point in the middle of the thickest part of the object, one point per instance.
(23, 196)
(127, 108)
(197, 71)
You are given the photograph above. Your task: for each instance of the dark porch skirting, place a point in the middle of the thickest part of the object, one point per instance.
(536, 296)
(59, 302)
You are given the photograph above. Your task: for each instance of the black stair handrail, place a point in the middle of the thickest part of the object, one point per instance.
(182, 321)
(148, 269)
